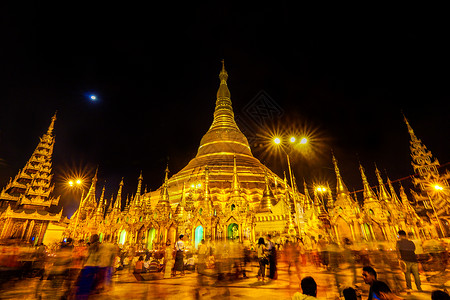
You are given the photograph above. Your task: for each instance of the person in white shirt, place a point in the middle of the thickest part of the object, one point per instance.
(179, 256)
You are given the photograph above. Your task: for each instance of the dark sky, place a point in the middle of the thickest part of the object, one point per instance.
(343, 77)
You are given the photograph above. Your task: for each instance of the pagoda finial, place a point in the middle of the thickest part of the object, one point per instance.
(308, 201)
(223, 75)
(52, 124)
(101, 202)
(166, 178)
(138, 192)
(393, 193)
(368, 192)
(340, 186)
(163, 204)
(94, 179)
(118, 203)
(268, 199)
(383, 193)
(410, 130)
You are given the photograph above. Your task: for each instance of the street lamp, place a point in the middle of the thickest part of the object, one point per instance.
(292, 140)
(78, 184)
(321, 189)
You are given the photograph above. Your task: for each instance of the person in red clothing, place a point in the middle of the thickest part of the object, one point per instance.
(139, 268)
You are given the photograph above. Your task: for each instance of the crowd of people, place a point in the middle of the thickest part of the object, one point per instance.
(76, 270)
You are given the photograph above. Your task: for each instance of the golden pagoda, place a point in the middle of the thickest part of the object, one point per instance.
(432, 192)
(26, 199)
(224, 193)
(218, 195)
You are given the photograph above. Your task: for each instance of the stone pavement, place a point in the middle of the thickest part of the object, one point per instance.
(125, 286)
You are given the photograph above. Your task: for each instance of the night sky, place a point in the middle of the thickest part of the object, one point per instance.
(342, 78)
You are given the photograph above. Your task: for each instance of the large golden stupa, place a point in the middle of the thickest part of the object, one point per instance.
(219, 148)
(224, 192)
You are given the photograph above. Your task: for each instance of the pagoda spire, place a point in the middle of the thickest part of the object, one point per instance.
(101, 203)
(235, 183)
(32, 186)
(268, 199)
(406, 204)
(383, 193)
(369, 195)
(110, 205)
(224, 134)
(223, 114)
(394, 196)
(308, 201)
(427, 169)
(137, 197)
(52, 124)
(118, 203)
(341, 188)
(90, 196)
(163, 204)
(179, 210)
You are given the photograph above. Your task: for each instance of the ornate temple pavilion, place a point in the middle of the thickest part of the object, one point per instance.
(26, 199)
(224, 192)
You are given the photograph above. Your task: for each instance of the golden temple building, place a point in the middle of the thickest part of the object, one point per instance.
(224, 192)
(26, 199)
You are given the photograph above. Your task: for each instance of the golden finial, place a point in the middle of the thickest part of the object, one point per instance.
(52, 124)
(223, 91)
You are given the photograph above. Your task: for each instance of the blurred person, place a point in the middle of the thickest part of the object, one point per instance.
(406, 253)
(370, 276)
(139, 269)
(247, 256)
(40, 256)
(383, 292)
(349, 256)
(107, 253)
(301, 249)
(349, 294)
(272, 257)
(439, 295)
(309, 289)
(179, 256)
(118, 264)
(61, 270)
(261, 248)
(323, 254)
(315, 259)
(87, 279)
(168, 260)
(202, 254)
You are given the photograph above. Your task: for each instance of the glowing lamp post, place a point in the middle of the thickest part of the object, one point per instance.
(78, 184)
(277, 141)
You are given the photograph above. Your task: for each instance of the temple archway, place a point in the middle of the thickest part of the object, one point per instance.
(343, 229)
(123, 237)
(198, 235)
(150, 238)
(233, 231)
(378, 232)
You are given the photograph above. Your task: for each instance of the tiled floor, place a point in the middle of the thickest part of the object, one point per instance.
(125, 286)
